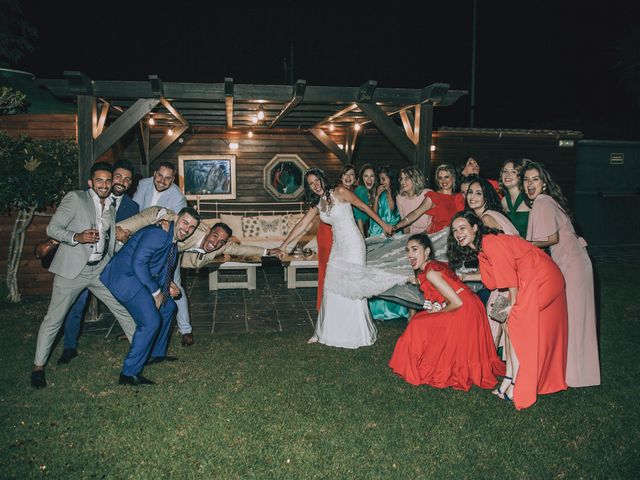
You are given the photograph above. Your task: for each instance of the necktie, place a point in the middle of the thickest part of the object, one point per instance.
(171, 260)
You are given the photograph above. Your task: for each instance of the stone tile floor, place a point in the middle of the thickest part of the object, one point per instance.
(272, 307)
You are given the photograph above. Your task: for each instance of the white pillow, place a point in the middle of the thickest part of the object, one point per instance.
(291, 220)
(234, 222)
(263, 227)
(210, 222)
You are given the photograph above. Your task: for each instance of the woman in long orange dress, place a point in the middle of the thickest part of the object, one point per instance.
(537, 320)
(324, 235)
(449, 344)
(440, 205)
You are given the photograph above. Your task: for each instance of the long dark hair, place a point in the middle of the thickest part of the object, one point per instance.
(491, 199)
(551, 188)
(392, 173)
(424, 240)
(312, 198)
(458, 255)
(372, 192)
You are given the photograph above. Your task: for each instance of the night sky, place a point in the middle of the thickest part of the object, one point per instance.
(539, 65)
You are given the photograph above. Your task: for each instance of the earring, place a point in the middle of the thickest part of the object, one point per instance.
(544, 188)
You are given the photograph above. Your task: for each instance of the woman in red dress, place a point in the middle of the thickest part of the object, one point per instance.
(537, 315)
(449, 344)
(441, 205)
(324, 236)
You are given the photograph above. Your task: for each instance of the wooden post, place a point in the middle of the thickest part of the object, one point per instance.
(86, 115)
(425, 133)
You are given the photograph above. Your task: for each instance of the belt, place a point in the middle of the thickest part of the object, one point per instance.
(94, 263)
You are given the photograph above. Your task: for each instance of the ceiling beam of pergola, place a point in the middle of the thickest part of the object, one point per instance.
(329, 144)
(298, 95)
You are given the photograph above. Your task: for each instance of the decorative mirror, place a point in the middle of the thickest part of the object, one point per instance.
(283, 176)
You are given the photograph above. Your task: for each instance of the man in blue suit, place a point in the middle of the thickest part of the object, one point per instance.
(125, 208)
(161, 191)
(139, 277)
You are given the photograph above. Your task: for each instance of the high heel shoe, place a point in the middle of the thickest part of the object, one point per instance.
(498, 391)
(505, 396)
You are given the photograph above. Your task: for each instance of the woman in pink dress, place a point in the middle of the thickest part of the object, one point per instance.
(537, 314)
(448, 344)
(412, 192)
(550, 227)
(441, 205)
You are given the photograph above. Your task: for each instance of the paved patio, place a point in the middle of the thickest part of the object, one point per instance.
(272, 307)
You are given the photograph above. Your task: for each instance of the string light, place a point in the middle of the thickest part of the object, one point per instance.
(260, 113)
(250, 134)
(234, 146)
(170, 132)
(332, 127)
(356, 126)
(151, 121)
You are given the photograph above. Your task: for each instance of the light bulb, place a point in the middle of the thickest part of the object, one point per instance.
(233, 146)
(260, 113)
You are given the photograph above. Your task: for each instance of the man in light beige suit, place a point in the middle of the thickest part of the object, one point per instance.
(84, 224)
(202, 247)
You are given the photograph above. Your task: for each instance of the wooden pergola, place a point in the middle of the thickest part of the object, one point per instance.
(336, 116)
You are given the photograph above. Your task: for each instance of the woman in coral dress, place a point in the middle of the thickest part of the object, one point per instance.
(449, 344)
(324, 236)
(483, 200)
(440, 205)
(537, 316)
(550, 227)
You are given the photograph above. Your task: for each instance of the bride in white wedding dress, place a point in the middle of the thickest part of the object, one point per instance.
(344, 319)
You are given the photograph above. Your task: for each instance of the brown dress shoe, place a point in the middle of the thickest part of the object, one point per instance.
(187, 339)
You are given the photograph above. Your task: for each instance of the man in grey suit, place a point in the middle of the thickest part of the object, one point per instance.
(161, 191)
(85, 226)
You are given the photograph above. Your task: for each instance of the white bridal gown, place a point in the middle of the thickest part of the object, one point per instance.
(344, 319)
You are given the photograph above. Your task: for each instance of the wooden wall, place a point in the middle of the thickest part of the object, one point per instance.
(492, 149)
(47, 126)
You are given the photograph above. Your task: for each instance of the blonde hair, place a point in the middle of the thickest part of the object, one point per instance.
(452, 172)
(416, 177)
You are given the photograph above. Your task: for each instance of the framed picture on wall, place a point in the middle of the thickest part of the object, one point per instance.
(283, 176)
(207, 177)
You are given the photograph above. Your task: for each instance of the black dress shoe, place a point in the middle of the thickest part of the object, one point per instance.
(67, 355)
(160, 360)
(37, 379)
(134, 380)
(187, 340)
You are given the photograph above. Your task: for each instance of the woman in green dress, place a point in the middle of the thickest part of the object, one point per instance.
(386, 207)
(513, 198)
(366, 191)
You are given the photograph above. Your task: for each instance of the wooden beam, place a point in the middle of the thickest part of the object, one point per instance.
(329, 144)
(78, 83)
(122, 125)
(337, 115)
(298, 95)
(406, 124)
(228, 100)
(104, 111)
(423, 156)
(86, 113)
(157, 87)
(366, 91)
(173, 111)
(353, 140)
(434, 93)
(416, 122)
(165, 142)
(389, 129)
(143, 144)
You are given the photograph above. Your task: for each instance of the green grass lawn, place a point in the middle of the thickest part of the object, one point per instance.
(270, 406)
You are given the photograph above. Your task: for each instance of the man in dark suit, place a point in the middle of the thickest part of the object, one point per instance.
(140, 277)
(125, 208)
(85, 226)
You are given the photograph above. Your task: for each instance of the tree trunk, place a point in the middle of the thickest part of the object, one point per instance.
(23, 220)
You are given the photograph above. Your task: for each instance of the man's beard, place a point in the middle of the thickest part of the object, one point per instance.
(115, 192)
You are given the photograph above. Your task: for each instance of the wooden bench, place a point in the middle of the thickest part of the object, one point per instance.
(292, 265)
(249, 269)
